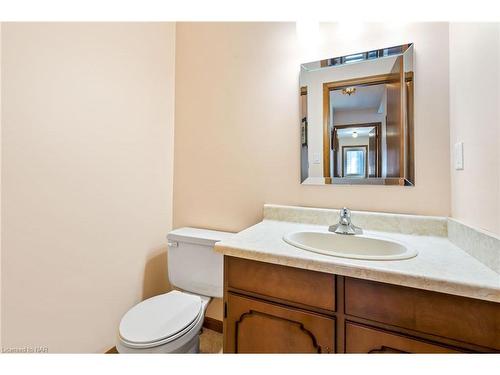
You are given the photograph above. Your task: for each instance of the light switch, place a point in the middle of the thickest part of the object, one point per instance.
(316, 158)
(459, 156)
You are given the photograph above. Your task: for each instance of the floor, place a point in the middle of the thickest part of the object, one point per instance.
(210, 341)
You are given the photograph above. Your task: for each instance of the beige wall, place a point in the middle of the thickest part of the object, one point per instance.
(87, 150)
(237, 122)
(475, 120)
(0, 186)
(237, 138)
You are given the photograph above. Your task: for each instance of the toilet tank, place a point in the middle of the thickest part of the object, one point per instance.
(193, 265)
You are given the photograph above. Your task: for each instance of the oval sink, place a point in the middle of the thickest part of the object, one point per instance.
(348, 246)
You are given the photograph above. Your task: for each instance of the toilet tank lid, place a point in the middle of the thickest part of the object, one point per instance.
(198, 236)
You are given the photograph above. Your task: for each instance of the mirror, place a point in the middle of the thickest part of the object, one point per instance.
(356, 118)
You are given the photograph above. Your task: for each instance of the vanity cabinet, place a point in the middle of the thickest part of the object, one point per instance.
(271, 308)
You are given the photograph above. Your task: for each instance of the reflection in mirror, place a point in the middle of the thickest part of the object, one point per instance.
(357, 118)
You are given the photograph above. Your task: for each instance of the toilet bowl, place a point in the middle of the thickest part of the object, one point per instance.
(168, 323)
(171, 322)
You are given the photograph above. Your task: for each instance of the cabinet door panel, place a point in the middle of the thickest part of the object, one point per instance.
(464, 319)
(254, 326)
(363, 339)
(285, 283)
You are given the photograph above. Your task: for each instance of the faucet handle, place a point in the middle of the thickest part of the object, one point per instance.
(345, 212)
(344, 225)
(345, 216)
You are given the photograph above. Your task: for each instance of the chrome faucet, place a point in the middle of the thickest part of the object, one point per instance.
(345, 226)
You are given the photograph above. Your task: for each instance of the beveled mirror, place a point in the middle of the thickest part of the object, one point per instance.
(356, 119)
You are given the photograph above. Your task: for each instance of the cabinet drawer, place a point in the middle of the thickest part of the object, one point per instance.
(295, 285)
(364, 339)
(255, 326)
(464, 319)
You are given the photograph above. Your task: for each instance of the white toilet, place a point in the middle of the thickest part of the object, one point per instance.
(171, 322)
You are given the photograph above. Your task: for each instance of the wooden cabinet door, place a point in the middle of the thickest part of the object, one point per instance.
(364, 339)
(288, 284)
(254, 326)
(463, 319)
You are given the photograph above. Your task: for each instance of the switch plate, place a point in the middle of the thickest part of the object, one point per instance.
(459, 156)
(316, 158)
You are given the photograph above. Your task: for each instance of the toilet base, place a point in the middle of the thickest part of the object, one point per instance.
(190, 347)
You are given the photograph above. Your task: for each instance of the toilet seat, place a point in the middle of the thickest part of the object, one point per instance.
(161, 319)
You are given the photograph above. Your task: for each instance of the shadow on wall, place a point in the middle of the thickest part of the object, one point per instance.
(155, 274)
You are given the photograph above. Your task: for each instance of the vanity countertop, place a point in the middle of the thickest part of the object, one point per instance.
(439, 266)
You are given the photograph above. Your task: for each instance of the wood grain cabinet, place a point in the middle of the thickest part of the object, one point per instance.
(254, 326)
(270, 308)
(365, 339)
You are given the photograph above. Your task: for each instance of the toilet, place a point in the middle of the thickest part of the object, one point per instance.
(171, 322)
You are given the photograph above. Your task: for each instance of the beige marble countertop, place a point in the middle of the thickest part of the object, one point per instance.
(440, 265)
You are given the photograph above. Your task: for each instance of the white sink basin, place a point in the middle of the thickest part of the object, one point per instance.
(349, 246)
